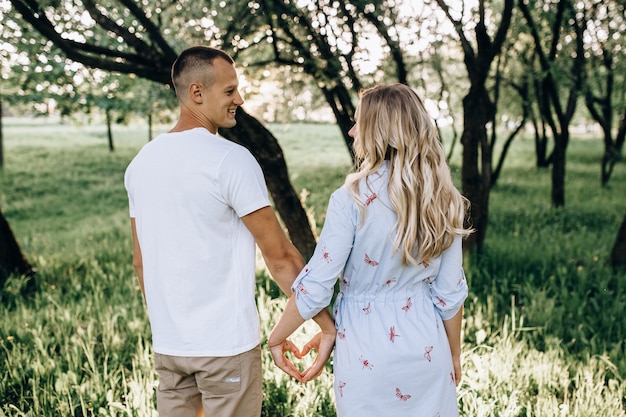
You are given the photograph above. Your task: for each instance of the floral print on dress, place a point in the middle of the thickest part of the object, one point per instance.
(370, 198)
(326, 256)
(427, 351)
(341, 334)
(301, 289)
(340, 386)
(403, 397)
(369, 261)
(367, 309)
(389, 282)
(440, 301)
(366, 363)
(393, 334)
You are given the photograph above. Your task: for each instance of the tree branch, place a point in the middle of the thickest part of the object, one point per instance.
(470, 55)
(92, 55)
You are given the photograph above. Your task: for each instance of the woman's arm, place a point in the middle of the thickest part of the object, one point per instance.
(453, 331)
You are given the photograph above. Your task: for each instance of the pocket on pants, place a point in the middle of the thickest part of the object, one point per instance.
(221, 376)
(168, 378)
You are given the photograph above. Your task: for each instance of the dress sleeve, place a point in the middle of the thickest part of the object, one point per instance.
(449, 289)
(314, 286)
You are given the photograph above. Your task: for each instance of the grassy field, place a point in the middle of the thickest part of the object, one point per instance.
(544, 331)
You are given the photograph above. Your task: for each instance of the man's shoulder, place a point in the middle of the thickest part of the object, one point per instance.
(202, 140)
(233, 149)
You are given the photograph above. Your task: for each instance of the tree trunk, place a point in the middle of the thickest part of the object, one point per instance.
(478, 110)
(612, 150)
(505, 149)
(607, 163)
(476, 180)
(541, 146)
(12, 261)
(1, 136)
(150, 126)
(618, 254)
(541, 138)
(558, 169)
(109, 130)
(555, 107)
(338, 98)
(250, 133)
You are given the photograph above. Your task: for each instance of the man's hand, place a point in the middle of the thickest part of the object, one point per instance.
(279, 351)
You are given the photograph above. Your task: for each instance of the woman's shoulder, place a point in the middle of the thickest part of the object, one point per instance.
(341, 195)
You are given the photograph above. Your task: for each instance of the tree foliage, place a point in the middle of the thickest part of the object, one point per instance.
(126, 37)
(521, 67)
(605, 87)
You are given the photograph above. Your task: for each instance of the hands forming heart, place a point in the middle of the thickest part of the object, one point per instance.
(322, 343)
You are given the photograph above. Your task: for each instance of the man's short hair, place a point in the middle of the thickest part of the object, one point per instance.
(191, 66)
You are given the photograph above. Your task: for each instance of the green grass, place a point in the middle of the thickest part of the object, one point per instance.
(544, 330)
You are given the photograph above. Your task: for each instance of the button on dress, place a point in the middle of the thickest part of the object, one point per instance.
(392, 356)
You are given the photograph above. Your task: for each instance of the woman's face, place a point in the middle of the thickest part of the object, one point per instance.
(354, 131)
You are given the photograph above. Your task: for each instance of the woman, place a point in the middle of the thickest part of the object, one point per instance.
(392, 236)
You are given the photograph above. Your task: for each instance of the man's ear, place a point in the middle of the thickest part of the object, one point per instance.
(195, 92)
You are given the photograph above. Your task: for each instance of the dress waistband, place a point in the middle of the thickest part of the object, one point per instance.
(383, 296)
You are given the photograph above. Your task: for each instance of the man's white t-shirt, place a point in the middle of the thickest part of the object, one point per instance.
(187, 192)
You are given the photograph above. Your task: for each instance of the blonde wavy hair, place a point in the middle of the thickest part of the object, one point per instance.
(393, 124)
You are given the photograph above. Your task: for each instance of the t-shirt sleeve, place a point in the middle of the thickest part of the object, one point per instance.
(127, 185)
(242, 182)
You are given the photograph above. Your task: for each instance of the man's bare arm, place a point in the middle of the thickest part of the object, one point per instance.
(137, 259)
(283, 260)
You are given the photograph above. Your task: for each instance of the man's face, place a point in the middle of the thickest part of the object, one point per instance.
(223, 97)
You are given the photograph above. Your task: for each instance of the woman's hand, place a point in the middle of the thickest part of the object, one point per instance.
(323, 343)
(456, 362)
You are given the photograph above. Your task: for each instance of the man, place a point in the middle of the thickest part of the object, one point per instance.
(198, 203)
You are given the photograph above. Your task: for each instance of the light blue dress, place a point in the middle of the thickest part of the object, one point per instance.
(392, 356)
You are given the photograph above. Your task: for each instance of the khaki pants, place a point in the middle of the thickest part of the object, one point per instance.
(220, 386)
